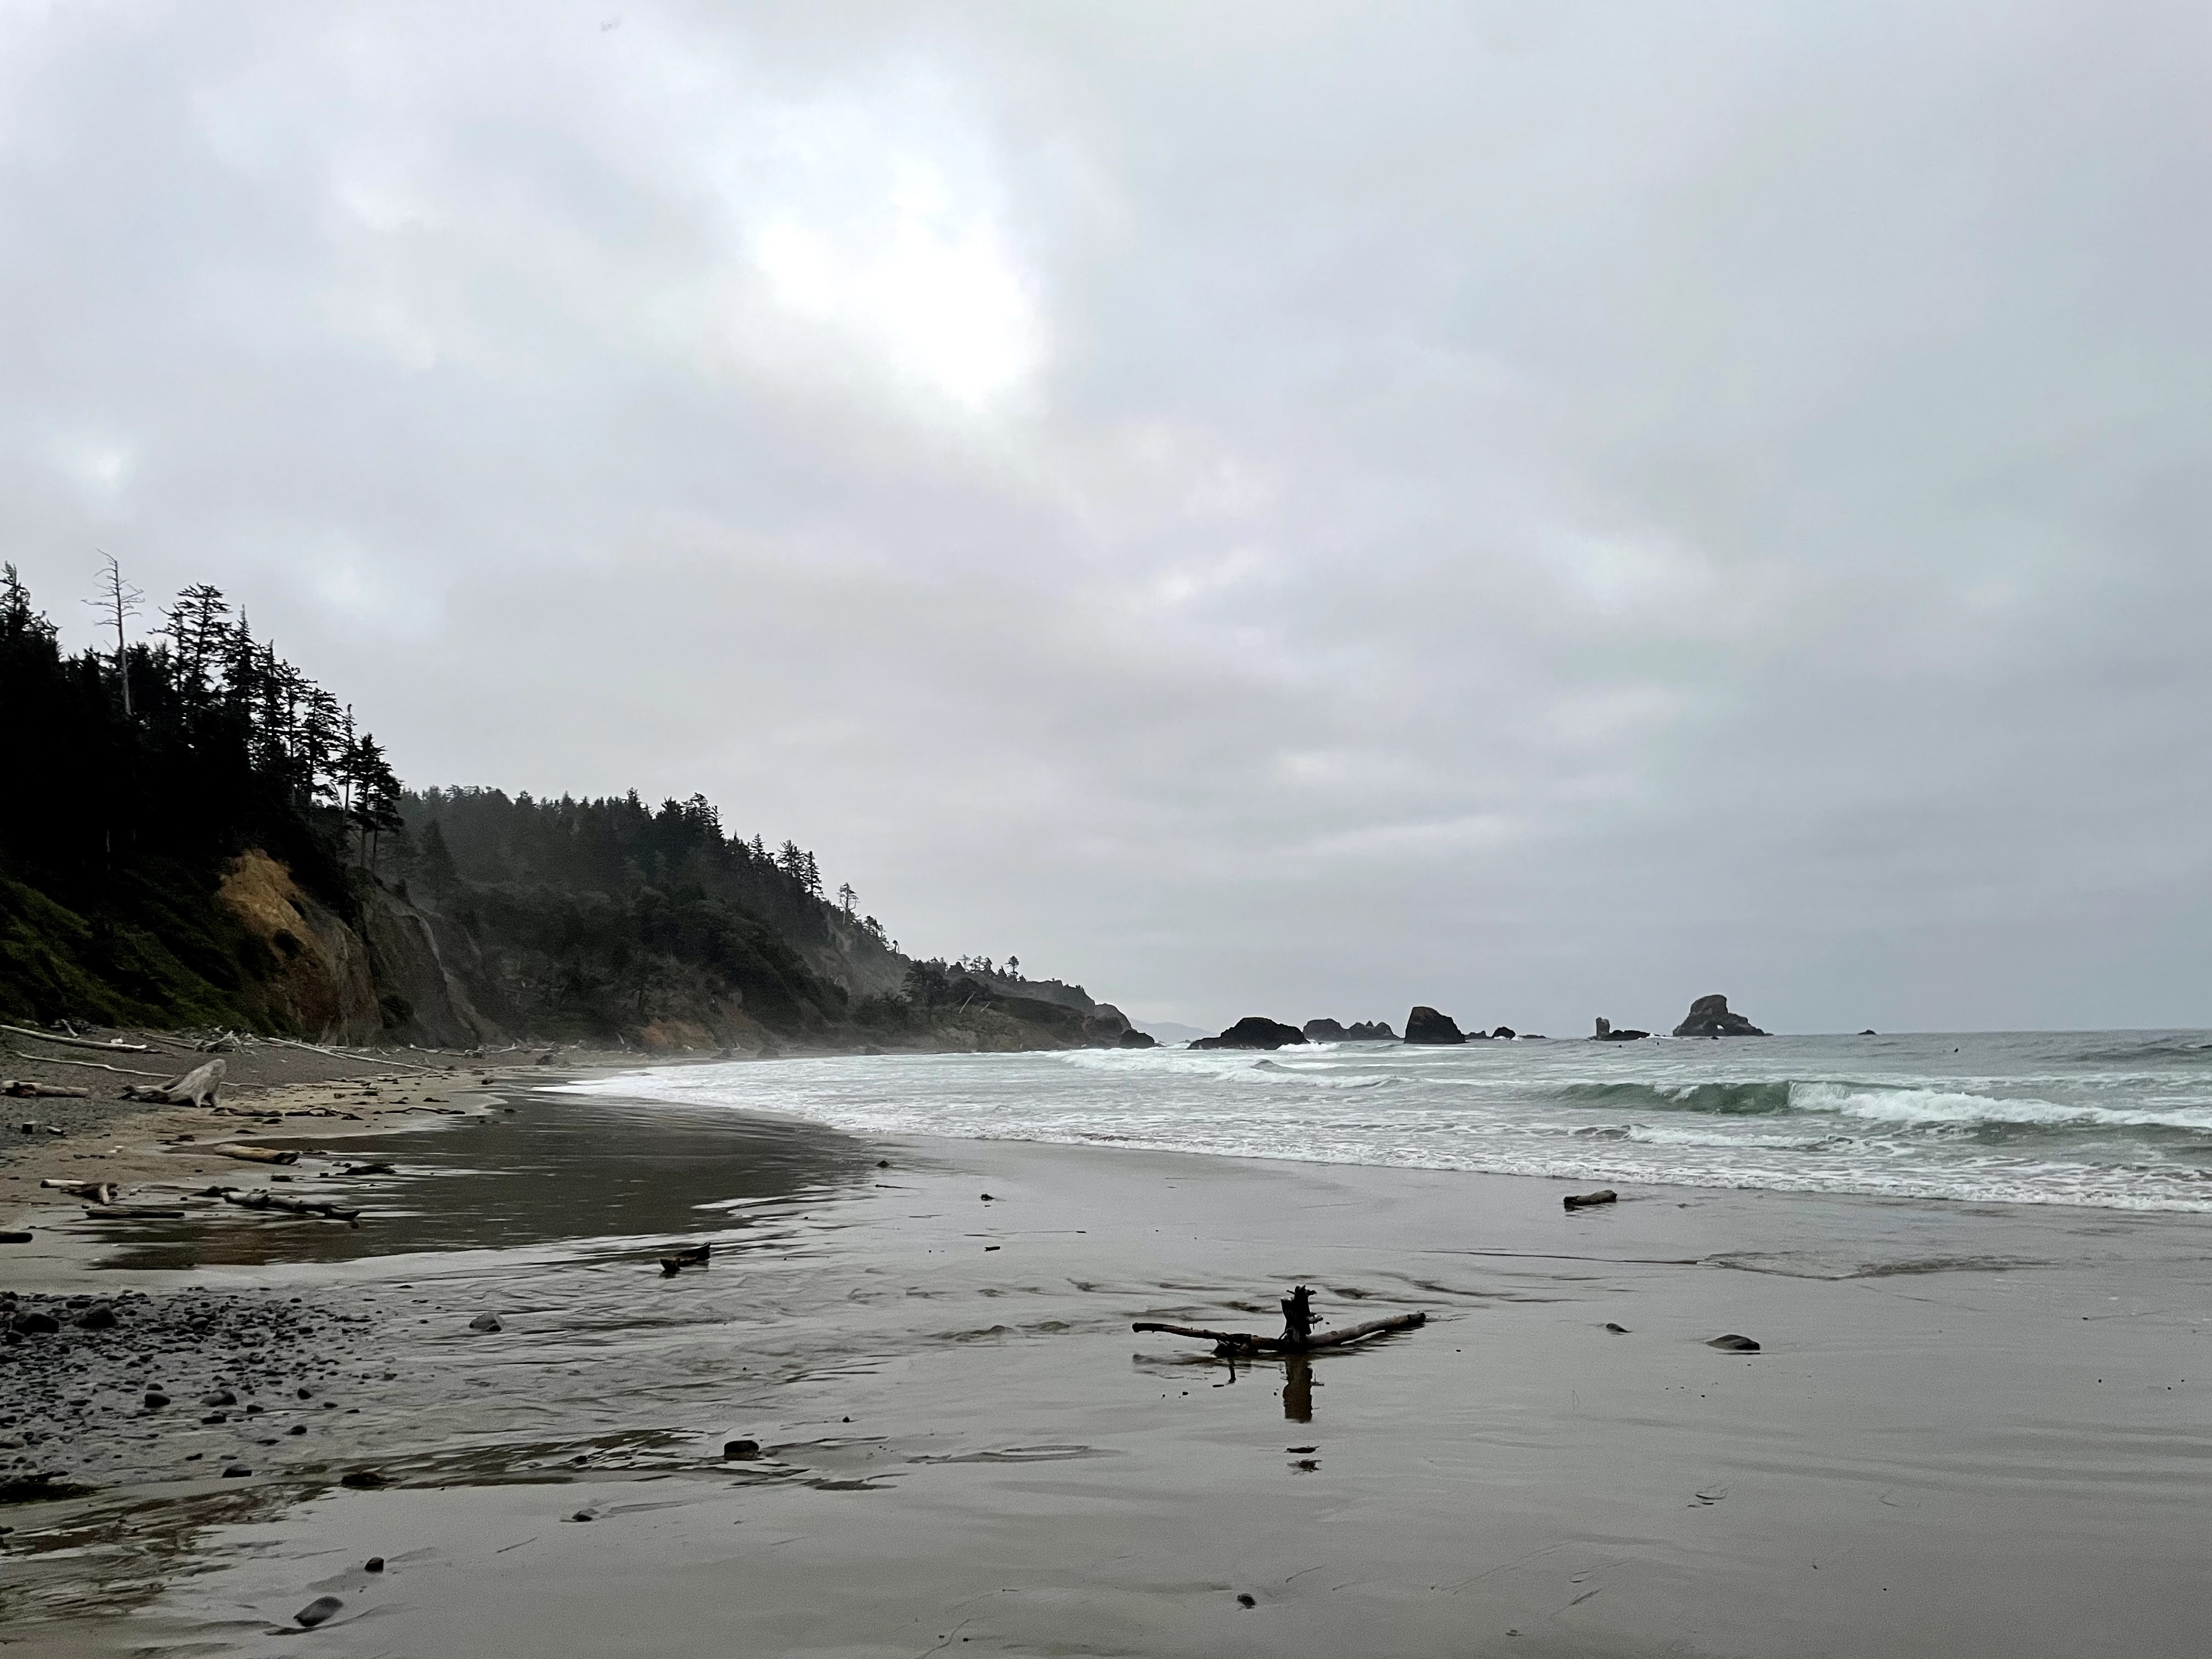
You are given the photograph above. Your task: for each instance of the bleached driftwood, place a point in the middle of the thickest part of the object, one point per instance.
(358, 1060)
(260, 1198)
(25, 1090)
(90, 1066)
(195, 1088)
(114, 1046)
(257, 1154)
(100, 1192)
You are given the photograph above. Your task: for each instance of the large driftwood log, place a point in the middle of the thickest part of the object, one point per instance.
(1249, 1342)
(195, 1088)
(257, 1154)
(129, 1212)
(25, 1090)
(117, 1047)
(261, 1199)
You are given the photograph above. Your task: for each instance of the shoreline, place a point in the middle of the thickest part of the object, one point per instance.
(957, 1425)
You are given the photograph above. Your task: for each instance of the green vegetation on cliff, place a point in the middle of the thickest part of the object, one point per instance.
(200, 835)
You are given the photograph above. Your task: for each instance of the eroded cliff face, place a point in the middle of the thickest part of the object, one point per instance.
(856, 960)
(320, 981)
(423, 964)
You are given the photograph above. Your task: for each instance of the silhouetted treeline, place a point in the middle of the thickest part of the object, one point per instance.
(133, 776)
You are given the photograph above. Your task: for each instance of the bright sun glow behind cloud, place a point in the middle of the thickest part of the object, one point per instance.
(923, 280)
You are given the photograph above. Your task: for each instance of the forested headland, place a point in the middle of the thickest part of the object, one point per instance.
(200, 835)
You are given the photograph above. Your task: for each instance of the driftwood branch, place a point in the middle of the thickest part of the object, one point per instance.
(1247, 1342)
(116, 1046)
(89, 1065)
(25, 1090)
(358, 1060)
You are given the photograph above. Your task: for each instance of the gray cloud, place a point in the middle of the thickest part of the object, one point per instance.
(1544, 511)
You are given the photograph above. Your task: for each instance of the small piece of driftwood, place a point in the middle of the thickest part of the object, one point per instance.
(1249, 1342)
(129, 1212)
(196, 1087)
(25, 1090)
(1584, 1200)
(694, 1255)
(259, 1154)
(100, 1192)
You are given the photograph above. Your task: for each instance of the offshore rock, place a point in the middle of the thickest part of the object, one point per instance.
(1709, 1016)
(1253, 1031)
(1605, 1033)
(1370, 1031)
(1425, 1024)
(1324, 1030)
(1134, 1038)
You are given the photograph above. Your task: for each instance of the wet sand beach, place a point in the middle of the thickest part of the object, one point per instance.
(1970, 1429)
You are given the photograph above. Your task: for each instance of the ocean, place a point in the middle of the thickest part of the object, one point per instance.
(2117, 1119)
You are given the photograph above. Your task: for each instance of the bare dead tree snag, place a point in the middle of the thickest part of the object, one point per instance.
(1249, 1342)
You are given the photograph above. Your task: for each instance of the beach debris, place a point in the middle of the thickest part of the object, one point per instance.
(196, 1087)
(236, 1472)
(987, 1197)
(1245, 1599)
(1298, 1335)
(365, 1169)
(364, 1480)
(1297, 1450)
(692, 1255)
(259, 1199)
(1584, 1200)
(741, 1448)
(155, 1400)
(100, 1192)
(1617, 1330)
(15, 1238)
(583, 1515)
(23, 1089)
(1733, 1344)
(115, 1045)
(130, 1213)
(484, 1322)
(256, 1154)
(316, 1611)
(374, 1563)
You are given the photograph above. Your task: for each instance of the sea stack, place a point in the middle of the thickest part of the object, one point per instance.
(1253, 1031)
(1709, 1018)
(1370, 1031)
(1427, 1025)
(1605, 1033)
(1324, 1030)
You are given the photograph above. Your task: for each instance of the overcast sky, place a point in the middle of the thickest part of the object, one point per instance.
(1546, 509)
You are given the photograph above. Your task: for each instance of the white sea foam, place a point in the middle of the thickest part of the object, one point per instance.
(1995, 1119)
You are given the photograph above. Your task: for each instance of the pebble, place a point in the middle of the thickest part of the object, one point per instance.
(235, 1471)
(484, 1322)
(316, 1611)
(374, 1563)
(1733, 1344)
(741, 1448)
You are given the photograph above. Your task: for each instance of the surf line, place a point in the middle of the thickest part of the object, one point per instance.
(1609, 1260)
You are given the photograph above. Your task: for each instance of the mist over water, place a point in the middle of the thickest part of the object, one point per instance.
(2116, 1120)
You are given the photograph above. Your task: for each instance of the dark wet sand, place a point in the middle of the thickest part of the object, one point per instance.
(1972, 1432)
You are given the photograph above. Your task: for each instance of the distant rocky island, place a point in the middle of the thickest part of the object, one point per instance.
(1708, 1017)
